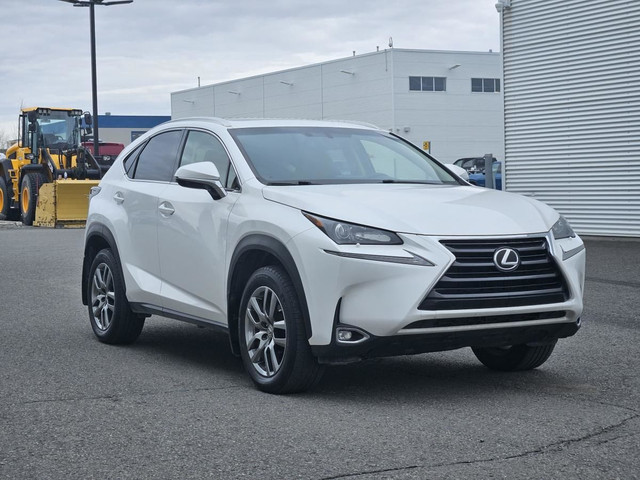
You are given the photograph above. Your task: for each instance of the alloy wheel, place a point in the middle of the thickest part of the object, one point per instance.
(265, 331)
(102, 296)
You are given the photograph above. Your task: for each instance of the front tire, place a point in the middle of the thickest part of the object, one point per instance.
(515, 357)
(273, 343)
(29, 188)
(110, 315)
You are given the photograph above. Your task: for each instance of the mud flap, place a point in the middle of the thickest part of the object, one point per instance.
(63, 203)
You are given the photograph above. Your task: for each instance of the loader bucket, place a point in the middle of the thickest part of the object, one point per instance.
(63, 203)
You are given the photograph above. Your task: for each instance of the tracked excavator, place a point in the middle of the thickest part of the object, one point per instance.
(47, 175)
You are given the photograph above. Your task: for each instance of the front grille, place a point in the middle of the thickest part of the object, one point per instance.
(474, 281)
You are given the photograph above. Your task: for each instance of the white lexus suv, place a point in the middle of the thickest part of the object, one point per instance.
(313, 243)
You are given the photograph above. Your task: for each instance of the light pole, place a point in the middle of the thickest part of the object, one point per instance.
(94, 76)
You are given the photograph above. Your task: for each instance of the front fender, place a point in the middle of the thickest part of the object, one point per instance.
(274, 248)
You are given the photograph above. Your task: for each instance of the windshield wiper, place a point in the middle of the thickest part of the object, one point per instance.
(420, 182)
(293, 182)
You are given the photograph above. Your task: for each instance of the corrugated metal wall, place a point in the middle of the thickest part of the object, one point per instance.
(572, 109)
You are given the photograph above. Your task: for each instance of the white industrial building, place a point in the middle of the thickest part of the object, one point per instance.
(447, 102)
(572, 108)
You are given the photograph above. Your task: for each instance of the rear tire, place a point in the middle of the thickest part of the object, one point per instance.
(5, 199)
(110, 315)
(515, 357)
(29, 188)
(273, 342)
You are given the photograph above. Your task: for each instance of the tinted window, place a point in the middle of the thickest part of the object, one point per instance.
(203, 147)
(440, 84)
(130, 161)
(427, 84)
(158, 159)
(469, 163)
(488, 85)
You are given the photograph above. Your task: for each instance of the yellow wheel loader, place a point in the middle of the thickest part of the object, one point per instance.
(47, 176)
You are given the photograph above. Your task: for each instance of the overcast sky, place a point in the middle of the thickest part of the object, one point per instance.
(150, 48)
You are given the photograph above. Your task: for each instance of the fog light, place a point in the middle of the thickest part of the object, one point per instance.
(344, 335)
(350, 335)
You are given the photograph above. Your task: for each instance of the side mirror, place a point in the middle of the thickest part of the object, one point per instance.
(201, 175)
(87, 119)
(459, 171)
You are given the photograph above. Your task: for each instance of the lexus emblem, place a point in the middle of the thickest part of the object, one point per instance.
(506, 259)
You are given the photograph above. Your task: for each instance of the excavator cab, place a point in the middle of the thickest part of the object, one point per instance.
(48, 174)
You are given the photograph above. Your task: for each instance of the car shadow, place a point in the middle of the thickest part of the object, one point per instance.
(414, 378)
(203, 348)
(431, 376)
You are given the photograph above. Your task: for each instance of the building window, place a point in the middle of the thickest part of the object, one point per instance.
(428, 84)
(488, 85)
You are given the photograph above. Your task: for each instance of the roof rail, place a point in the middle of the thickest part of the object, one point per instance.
(357, 122)
(225, 123)
(218, 120)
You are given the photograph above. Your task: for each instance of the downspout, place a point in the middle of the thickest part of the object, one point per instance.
(501, 6)
(393, 94)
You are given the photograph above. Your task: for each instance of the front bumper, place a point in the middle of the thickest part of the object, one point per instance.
(383, 298)
(340, 353)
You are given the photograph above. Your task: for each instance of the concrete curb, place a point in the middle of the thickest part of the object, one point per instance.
(10, 224)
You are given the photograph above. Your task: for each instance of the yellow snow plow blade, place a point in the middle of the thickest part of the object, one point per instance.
(63, 203)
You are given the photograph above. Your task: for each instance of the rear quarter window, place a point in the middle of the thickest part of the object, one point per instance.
(130, 161)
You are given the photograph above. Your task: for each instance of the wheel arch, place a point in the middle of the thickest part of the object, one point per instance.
(253, 252)
(97, 237)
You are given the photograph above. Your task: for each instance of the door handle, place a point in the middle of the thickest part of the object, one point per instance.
(166, 209)
(119, 198)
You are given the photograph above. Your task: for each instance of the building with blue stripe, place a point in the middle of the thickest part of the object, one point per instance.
(126, 128)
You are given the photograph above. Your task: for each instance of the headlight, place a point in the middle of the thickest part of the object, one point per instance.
(562, 229)
(344, 233)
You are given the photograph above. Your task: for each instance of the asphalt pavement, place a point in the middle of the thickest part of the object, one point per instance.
(177, 404)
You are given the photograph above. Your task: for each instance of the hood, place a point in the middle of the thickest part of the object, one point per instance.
(442, 210)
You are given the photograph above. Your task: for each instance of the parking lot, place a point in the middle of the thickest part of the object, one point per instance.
(177, 404)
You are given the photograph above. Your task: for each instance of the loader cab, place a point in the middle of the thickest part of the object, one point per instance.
(55, 129)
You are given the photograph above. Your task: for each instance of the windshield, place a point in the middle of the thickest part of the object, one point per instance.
(59, 130)
(318, 155)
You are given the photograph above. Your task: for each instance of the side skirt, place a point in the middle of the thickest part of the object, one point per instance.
(148, 309)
